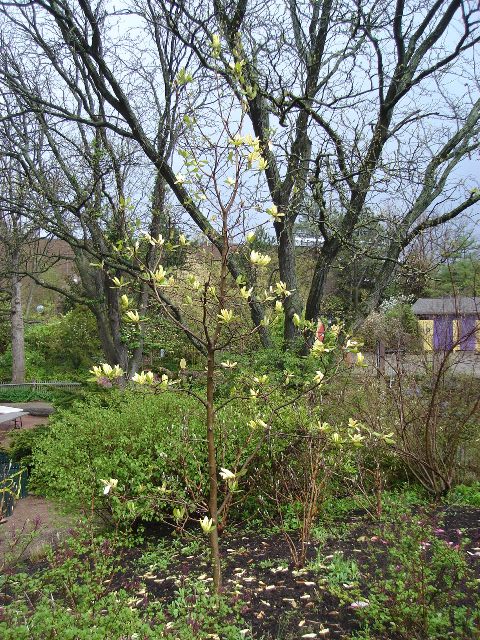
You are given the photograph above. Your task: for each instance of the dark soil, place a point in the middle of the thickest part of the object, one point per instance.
(277, 600)
(280, 601)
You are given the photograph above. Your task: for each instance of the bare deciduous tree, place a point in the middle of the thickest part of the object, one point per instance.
(353, 104)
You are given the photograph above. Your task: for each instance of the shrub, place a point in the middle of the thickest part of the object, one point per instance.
(151, 444)
(397, 327)
(61, 348)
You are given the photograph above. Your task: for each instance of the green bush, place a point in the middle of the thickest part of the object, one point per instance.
(55, 395)
(154, 445)
(465, 494)
(63, 348)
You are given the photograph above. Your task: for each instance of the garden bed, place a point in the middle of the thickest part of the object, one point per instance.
(420, 568)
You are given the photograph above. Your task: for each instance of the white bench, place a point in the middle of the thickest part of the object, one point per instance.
(11, 413)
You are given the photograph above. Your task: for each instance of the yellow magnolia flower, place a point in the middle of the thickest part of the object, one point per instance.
(323, 426)
(259, 259)
(145, 377)
(319, 376)
(109, 485)
(216, 45)
(230, 182)
(253, 393)
(275, 213)
(119, 282)
(335, 329)
(159, 241)
(133, 316)
(278, 306)
(160, 277)
(361, 359)
(246, 293)
(254, 424)
(357, 439)
(226, 474)
(250, 236)
(237, 140)
(182, 240)
(207, 524)
(319, 348)
(262, 164)
(228, 365)
(117, 371)
(225, 316)
(183, 363)
(261, 379)
(178, 514)
(281, 289)
(107, 371)
(180, 178)
(296, 320)
(193, 282)
(183, 77)
(252, 157)
(353, 345)
(124, 302)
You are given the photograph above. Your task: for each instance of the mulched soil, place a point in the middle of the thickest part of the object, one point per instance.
(276, 600)
(280, 601)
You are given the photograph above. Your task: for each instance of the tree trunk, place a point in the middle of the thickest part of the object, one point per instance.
(18, 338)
(212, 471)
(327, 255)
(114, 350)
(288, 274)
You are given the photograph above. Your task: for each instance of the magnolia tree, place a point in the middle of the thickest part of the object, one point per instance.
(210, 306)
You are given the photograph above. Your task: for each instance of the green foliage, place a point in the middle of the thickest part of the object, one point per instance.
(68, 343)
(465, 494)
(161, 334)
(58, 396)
(85, 590)
(151, 444)
(415, 584)
(63, 348)
(461, 277)
(5, 331)
(341, 570)
(23, 441)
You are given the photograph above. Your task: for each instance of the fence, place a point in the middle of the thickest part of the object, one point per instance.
(36, 386)
(13, 484)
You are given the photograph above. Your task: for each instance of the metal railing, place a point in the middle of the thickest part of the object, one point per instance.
(37, 385)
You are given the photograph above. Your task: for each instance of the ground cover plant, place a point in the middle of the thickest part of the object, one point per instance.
(414, 574)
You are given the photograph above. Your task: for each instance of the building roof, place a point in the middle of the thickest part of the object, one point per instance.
(460, 305)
